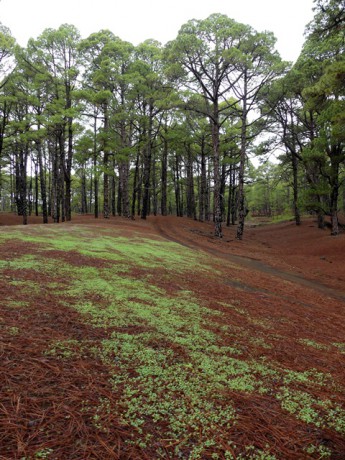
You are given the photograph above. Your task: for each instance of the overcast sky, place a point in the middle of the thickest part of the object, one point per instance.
(138, 20)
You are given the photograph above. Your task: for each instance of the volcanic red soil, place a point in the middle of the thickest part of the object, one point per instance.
(282, 271)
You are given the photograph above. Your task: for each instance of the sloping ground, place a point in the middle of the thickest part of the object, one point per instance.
(127, 339)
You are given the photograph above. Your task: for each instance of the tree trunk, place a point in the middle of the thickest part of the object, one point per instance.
(140, 188)
(68, 169)
(320, 219)
(191, 211)
(334, 182)
(176, 177)
(216, 175)
(147, 168)
(106, 165)
(125, 189)
(230, 196)
(55, 185)
(241, 206)
(203, 184)
(294, 160)
(154, 185)
(113, 193)
(164, 178)
(95, 172)
(61, 174)
(83, 192)
(222, 190)
(135, 183)
(22, 186)
(36, 190)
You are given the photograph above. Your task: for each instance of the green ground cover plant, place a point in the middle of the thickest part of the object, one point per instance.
(172, 373)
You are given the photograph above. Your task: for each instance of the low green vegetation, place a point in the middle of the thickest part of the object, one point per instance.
(173, 374)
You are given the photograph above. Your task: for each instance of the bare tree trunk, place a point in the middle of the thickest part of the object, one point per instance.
(191, 211)
(68, 170)
(60, 202)
(125, 189)
(230, 197)
(106, 166)
(135, 183)
(83, 192)
(55, 185)
(140, 188)
(334, 182)
(216, 176)
(154, 185)
(113, 193)
(222, 191)
(176, 177)
(21, 184)
(203, 184)
(95, 172)
(147, 168)
(241, 207)
(164, 178)
(295, 189)
(36, 189)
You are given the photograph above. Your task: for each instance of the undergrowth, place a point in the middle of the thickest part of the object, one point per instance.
(172, 373)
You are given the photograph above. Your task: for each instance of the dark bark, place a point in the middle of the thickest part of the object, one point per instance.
(95, 171)
(176, 179)
(241, 204)
(334, 183)
(222, 190)
(164, 178)
(30, 194)
(84, 208)
(21, 186)
(232, 197)
(123, 189)
(119, 193)
(42, 182)
(147, 167)
(140, 189)
(36, 190)
(191, 209)
(135, 183)
(216, 175)
(56, 183)
(68, 168)
(297, 214)
(62, 174)
(113, 193)
(146, 180)
(124, 173)
(106, 165)
(154, 185)
(203, 198)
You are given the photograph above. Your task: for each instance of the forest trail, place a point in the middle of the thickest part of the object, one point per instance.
(194, 238)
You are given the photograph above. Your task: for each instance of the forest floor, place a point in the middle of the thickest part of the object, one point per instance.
(131, 339)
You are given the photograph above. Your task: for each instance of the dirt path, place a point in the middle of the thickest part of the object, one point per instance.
(222, 250)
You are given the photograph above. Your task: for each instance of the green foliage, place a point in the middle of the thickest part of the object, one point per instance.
(269, 193)
(62, 86)
(63, 349)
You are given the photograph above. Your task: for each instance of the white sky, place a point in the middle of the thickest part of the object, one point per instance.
(138, 20)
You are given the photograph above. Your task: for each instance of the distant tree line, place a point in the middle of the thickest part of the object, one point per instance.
(100, 126)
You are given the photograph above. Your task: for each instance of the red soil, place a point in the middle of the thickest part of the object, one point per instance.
(292, 275)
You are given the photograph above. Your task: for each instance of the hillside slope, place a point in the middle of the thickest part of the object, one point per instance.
(152, 339)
